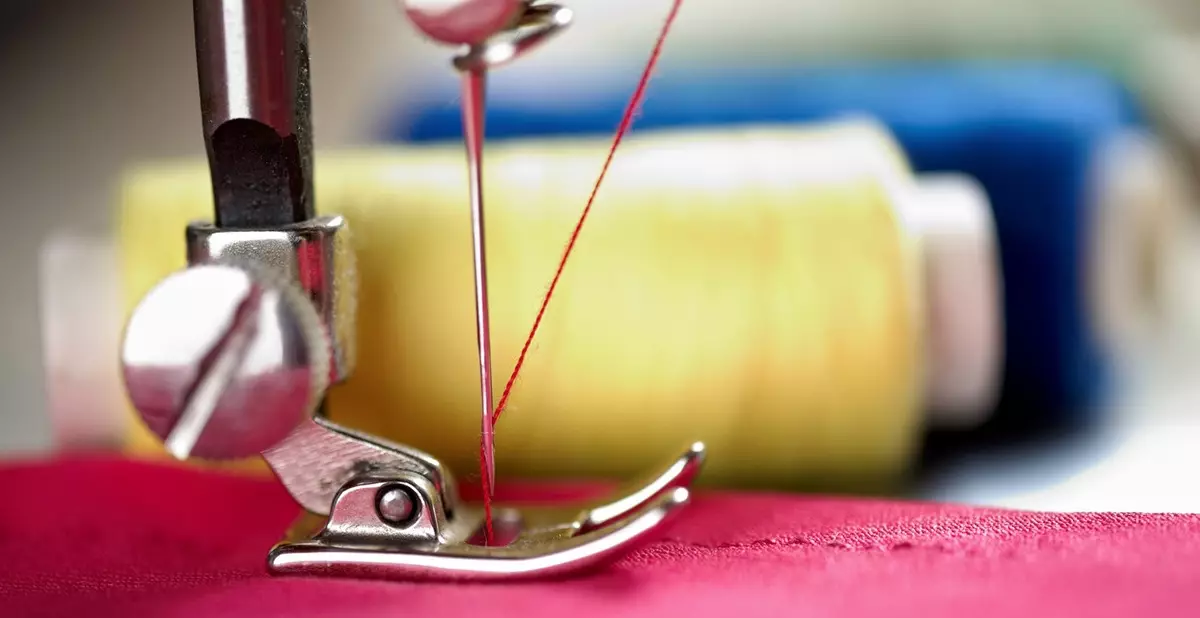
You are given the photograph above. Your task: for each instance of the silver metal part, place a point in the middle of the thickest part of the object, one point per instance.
(319, 458)
(397, 505)
(252, 61)
(536, 24)
(233, 355)
(222, 362)
(474, 84)
(315, 255)
(357, 541)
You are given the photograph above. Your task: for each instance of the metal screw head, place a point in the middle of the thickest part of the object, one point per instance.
(222, 362)
(397, 506)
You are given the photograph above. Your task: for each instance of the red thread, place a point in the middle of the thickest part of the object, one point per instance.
(635, 101)
(488, 534)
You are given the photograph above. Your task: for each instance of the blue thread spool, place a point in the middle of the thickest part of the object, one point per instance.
(1031, 134)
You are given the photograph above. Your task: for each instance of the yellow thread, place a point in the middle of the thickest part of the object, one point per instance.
(747, 288)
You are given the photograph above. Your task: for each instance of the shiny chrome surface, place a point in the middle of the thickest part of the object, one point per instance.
(252, 60)
(315, 255)
(222, 361)
(546, 541)
(232, 356)
(461, 22)
(474, 85)
(679, 474)
(534, 24)
(537, 23)
(316, 460)
(397, 505)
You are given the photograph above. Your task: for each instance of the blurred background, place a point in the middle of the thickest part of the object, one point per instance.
(1077, 120)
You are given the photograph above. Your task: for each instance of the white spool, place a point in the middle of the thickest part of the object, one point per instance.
(1136, 239)
(964, 339)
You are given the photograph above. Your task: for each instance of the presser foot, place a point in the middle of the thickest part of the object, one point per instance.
(401, 525)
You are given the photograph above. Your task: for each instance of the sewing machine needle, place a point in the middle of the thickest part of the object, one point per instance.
(474, 109)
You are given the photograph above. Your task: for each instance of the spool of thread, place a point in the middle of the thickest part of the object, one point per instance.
(779, 293)
(1102, 32)
(1039, 138)
(1116, 36)
(1140, 240)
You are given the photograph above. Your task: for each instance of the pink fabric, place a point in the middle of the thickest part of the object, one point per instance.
(104, 538)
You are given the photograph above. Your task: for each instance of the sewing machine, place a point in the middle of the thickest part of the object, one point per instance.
(232, 356)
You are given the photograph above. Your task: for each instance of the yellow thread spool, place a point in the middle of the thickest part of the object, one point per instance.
(757, 289)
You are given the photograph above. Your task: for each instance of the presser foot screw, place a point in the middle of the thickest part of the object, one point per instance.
(222, 362)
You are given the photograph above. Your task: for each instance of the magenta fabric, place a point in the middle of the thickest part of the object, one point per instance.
(106, 537)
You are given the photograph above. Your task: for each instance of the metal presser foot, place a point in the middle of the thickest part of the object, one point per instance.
(392, 518)
(232, 356)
